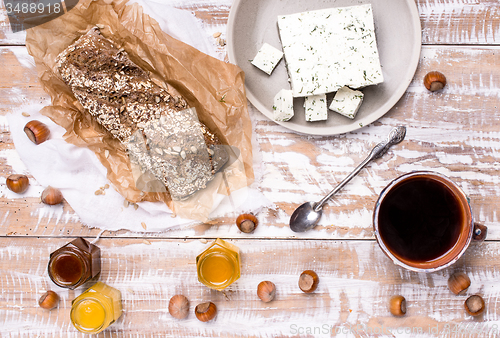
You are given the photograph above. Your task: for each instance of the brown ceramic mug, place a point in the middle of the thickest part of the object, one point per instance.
(423, 221)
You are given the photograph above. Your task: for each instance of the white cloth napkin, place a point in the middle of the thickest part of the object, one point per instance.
(78, 173)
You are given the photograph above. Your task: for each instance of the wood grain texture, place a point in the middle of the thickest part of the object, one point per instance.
(356, 282)
(451, 132)
(459, 22)
(443, 22)
(7, 37)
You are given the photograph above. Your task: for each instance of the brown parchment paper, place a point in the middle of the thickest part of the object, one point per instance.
(215, 88)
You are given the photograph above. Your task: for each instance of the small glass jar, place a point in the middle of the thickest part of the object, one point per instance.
(96, 309)
(75, 263)
(218, 266)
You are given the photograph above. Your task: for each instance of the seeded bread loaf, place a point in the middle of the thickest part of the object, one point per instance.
(161, 135)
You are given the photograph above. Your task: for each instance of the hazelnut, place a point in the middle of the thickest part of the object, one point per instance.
(474, 305)
(36, 131)
(266, 291)
(434, 81)
(308, 281)
(397, 305)
(17, 183)
(247, 223)
(178, 306)
(458, 283)
(205, 311)
(49, 300)
(51, 196)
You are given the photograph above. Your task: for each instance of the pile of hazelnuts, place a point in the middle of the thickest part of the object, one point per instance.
(178, 305)
(458, 283)
(38, 133)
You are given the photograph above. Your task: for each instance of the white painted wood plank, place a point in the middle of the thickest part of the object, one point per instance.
(443, 22)
(459, 21)
(356, 282)
(448, 131)
(452, 132)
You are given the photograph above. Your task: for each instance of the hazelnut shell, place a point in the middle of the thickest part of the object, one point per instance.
(308, 281)
(458, 283)
(247, 223)
(36, 131)
(178, 306)
(205, 311)
(434, 81)
(397, 305)
(474, 305)
(17, 183)
(51, 196)
(266, 291)
(49, 300)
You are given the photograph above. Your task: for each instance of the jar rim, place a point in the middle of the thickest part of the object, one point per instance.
(80, 327)
(231, 260)
(68, 252)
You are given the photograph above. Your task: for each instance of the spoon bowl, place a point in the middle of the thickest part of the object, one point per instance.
(305, 217)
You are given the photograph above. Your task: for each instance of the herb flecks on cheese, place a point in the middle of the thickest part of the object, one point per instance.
(267, 58)
(347, 102)
(330, 48)
(315, 107)
(283, 105)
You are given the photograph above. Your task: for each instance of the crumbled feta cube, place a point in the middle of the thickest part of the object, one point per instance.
(330, 48)
(347, 102)
(315, 107)
(283, 105)
(267, 58)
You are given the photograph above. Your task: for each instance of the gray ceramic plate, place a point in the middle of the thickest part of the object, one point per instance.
(398, 32)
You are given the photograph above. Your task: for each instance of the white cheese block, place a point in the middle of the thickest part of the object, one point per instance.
(330, 48)
(347, 102)
(315, 107)
(267, 58)
(283, 105)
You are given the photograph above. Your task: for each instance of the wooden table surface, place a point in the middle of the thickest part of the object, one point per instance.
(455, 132)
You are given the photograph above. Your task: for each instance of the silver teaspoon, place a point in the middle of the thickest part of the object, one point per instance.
(308, 214)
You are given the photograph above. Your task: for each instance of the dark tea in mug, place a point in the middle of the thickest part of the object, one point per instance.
(422, 219)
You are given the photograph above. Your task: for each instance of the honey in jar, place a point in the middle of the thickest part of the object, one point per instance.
(218, 266)
(75, 263)
(96, 309)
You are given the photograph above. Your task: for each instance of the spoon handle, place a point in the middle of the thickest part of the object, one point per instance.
(395, 136)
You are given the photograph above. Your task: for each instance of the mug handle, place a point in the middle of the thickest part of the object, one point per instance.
(480, 232)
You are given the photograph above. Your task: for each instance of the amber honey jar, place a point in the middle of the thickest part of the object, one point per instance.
(75, 263)
(218, 266)
(96, 309)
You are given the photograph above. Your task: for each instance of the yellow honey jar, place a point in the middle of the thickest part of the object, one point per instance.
(96, 309)
(218, 266)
